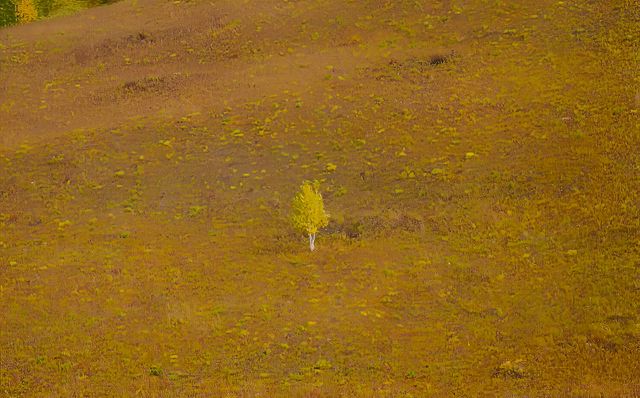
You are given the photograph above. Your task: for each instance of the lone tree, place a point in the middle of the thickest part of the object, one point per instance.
(308, 211)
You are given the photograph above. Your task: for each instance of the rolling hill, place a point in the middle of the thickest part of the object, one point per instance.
(479, 161)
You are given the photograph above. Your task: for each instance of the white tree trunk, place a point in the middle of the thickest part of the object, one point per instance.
(312, 242)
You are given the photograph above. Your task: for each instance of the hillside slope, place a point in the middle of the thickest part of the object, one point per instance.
(480, 165)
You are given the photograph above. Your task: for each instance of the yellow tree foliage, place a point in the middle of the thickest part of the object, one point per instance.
(26, 11)
(308, 211)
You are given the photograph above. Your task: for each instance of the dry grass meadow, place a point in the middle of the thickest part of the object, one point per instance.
(480, 161)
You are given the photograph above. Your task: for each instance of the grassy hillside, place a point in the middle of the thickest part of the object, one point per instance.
(479, 160)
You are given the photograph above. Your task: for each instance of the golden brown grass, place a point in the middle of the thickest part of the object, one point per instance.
(485, 207)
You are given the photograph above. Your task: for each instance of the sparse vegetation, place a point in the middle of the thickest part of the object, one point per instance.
(480, 165)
